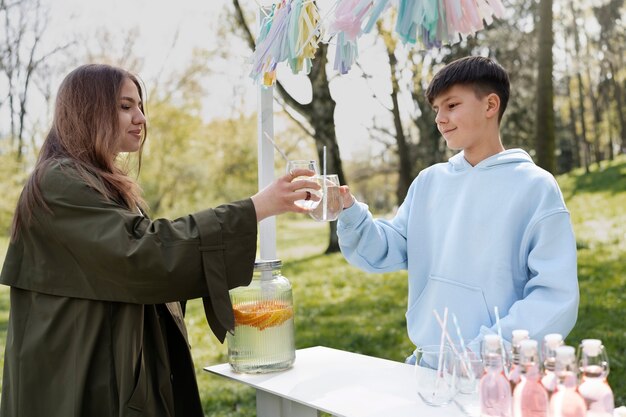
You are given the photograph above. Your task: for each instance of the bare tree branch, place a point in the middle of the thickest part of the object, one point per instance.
(20, 62)
(384, 131)
(305, 128)
(367, 77)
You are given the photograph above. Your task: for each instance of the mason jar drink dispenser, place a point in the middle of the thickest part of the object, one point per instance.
(263, 339)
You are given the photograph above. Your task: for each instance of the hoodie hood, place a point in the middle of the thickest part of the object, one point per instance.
(510, 156)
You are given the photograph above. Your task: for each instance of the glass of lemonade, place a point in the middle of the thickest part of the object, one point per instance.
(331, 203)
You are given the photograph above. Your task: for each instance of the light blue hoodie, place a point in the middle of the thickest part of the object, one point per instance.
(471, 238)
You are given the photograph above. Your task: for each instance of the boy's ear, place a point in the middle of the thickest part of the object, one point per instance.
(493, 105)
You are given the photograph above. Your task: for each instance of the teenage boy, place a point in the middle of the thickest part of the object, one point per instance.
(486, 229)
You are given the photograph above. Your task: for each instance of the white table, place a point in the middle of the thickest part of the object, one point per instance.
(343, 384)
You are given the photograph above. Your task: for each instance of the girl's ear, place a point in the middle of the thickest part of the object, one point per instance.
(493, 105)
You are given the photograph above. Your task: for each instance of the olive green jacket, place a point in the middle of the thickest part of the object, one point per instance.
(95, 326)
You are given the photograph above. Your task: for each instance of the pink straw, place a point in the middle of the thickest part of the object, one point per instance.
(499, 329)
(467, 365)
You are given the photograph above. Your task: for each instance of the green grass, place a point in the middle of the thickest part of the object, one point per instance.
(597, 202)
(341, 307)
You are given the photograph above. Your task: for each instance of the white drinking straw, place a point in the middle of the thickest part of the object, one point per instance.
(464, 358)
(441, 341)
(325, 196)
(280, 151)
(499, 328)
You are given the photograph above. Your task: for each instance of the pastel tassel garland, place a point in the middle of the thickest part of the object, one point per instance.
(377, 9)
(288, 33)
(347, 23)
(292, 29)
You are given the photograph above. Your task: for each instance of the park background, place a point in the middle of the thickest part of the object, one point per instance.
(566, 60)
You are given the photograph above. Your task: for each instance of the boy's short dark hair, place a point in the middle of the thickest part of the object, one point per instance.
(484, 75)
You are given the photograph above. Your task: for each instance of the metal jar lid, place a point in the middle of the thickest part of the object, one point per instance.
(267, 265)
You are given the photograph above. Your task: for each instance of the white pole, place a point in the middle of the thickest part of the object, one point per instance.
(265, 125)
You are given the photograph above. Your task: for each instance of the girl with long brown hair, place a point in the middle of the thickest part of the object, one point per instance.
(96, 327)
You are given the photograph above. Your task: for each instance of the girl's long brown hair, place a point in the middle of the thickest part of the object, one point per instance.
(85, 129)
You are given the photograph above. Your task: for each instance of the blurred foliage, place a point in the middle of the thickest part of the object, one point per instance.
(12, 178)
(189, 165)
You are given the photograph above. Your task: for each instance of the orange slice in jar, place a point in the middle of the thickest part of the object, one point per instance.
(277, 317)
(262, 314)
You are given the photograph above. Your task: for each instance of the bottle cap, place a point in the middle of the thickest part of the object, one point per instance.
(591, 347)
(528, 347)
(519, 335)
(492, 341)
(553, 340)
(565, 354)
(267, 265)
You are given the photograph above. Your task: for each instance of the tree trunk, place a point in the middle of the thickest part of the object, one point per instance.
(611, 42)
(619, 99)
(572, 124)
(431, 148)
(609, 130)
(581, 96)
(320, 115)
(405, 174)
(544, 126)
(597, 115)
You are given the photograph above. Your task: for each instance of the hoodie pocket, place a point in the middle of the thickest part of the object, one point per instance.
(466, 302)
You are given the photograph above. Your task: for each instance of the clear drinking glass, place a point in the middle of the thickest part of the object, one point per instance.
(310, 165)
(331, 203)
(469, 371)
(435, 374)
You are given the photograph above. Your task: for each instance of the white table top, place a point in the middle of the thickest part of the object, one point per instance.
(347, 384)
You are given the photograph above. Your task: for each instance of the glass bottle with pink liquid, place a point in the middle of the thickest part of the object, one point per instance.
(495, 390)
(530, 398)
(566, 401)
(550, 343)
(515, 372)
(594, 369)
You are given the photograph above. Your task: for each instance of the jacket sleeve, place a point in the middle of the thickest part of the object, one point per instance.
(90, 248)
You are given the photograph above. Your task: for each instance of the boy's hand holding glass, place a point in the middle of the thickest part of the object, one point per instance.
(332, 202)
(347, 198)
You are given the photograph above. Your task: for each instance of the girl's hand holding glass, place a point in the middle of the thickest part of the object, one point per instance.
(312, 195)
(283, 194)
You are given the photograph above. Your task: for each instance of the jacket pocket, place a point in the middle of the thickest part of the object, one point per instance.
(467, 302)
(137, 400)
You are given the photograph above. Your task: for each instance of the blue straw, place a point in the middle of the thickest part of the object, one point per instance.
(460, 336)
